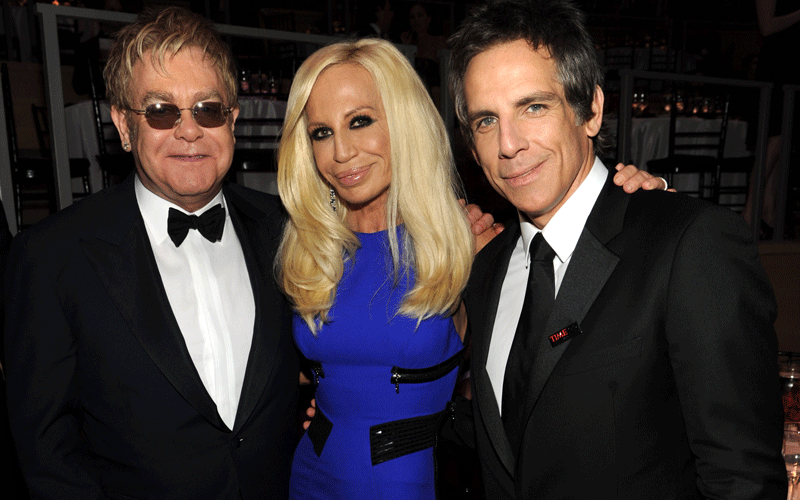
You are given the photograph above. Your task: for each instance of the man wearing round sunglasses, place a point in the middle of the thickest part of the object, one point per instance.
(148, 347)
(164, 116)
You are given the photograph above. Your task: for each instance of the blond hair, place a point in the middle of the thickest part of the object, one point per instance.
(165, 32)
(438, 244)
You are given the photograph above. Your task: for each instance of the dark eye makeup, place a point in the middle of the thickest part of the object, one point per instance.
(361, 121)
(320, 133)
(358, 121)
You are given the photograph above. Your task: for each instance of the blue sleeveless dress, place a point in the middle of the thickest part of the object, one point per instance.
(356, 352)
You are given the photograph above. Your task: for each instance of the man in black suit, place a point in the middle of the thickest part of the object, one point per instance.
(12, 476)
(643, 363)
(148, 350)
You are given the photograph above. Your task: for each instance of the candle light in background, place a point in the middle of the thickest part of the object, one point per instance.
(640, 102)
(791, 457)
(244, 82)
(679, 103)
(789, 369)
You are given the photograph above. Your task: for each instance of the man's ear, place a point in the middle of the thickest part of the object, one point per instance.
(120, 120)
(234, 116)
(592, 125)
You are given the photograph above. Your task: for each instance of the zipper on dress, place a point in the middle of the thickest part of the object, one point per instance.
(421, 375)
(316, 367)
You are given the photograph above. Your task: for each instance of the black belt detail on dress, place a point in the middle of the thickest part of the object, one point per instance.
(402, 437)
(420, 375)
(319, 430)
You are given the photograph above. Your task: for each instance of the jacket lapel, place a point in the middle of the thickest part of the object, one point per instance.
(258, 240)
(485, 287)
(122, 257)
(489, 275)
(589, 269)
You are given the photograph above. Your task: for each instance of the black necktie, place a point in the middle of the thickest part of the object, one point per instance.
(539, 298)
(210, 224)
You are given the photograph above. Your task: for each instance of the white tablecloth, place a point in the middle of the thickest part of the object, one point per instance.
(82, 137)
(650, 136)
(258, 107)
(650, 141)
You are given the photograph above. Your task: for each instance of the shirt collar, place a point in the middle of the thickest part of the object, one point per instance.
(155, 210)
(566, 225)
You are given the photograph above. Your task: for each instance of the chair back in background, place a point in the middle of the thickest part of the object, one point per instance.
(257, 133)
(31, 178)
(696, 142)
(115, 163)
(78, 167)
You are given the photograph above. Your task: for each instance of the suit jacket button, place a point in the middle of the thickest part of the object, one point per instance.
(238, 442)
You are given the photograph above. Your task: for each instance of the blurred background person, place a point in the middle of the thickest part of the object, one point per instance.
(779, 23)
(375, 19)
(428, 38)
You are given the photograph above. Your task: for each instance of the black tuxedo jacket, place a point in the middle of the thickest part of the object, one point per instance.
(670, 390)
(104, 399)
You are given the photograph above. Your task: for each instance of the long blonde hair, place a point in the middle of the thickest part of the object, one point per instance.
(438, 243)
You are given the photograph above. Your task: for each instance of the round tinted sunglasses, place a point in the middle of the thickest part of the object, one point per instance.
(163, 116)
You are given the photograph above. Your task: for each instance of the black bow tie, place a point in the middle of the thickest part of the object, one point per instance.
(210, 224)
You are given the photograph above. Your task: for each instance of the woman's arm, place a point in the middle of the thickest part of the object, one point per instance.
(460, 321)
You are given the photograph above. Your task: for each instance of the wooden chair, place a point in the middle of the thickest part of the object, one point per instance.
(115, 163)
(256, 151)
(78, 167)
(32, 177)
(734, 195)
(695, 152)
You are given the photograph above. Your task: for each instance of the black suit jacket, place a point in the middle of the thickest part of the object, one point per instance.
(104, 399)
(671, 388)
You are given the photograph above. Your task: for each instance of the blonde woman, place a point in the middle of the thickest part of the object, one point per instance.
(375, 255)
(374, 258)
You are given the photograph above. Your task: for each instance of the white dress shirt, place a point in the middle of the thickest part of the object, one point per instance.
(209, 290)
(561, 233)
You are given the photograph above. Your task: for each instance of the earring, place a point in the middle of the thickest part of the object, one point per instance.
(333, 200)
(126, 146)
